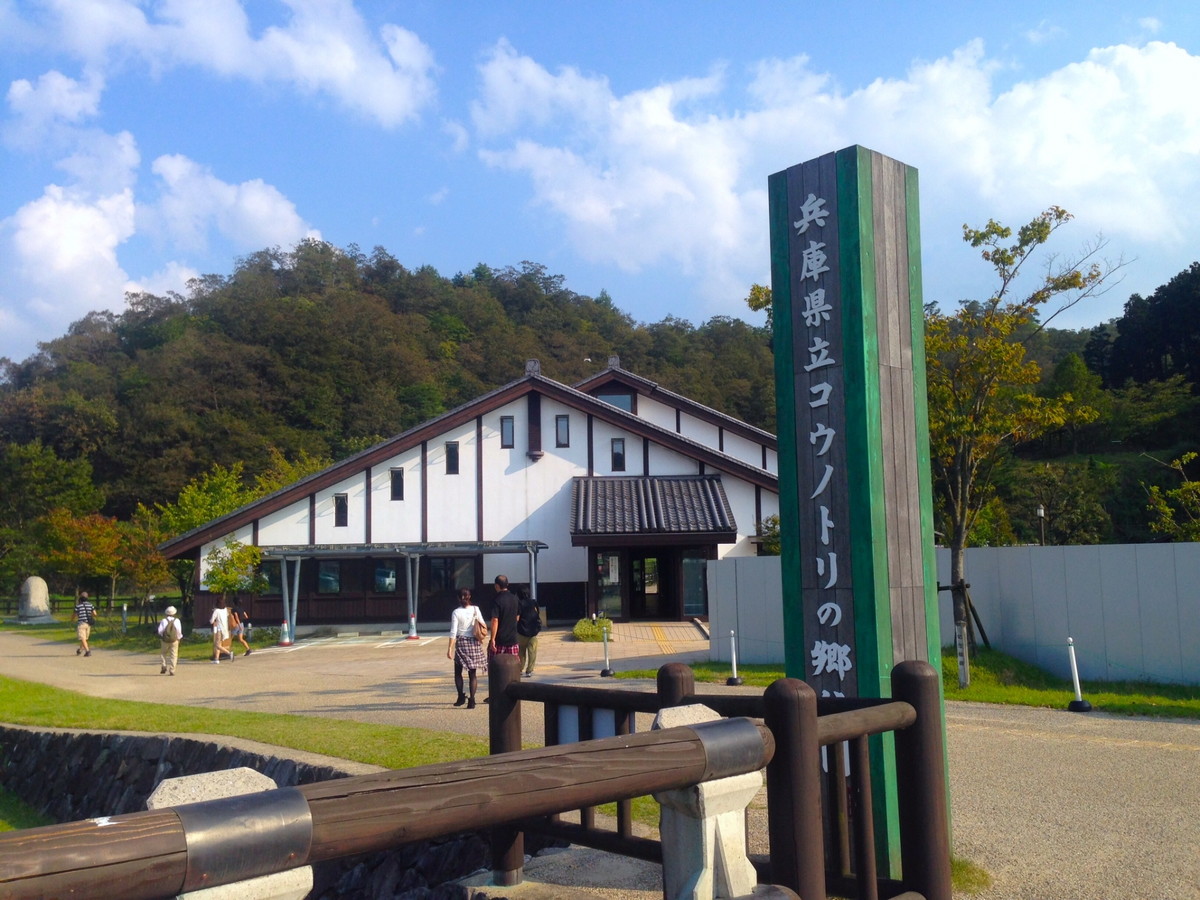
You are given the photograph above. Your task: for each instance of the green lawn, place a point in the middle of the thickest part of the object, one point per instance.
(999, 678)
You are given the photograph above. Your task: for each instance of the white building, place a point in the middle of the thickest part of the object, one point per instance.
(613, 494)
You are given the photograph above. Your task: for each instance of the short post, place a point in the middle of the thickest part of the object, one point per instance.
(794, 789)
(124, 617)
(607, 671)
(504, 736)
(733, 680)
(1078, 704)
(412, 627)
(675, 681)
(921, 783)
(285, 639)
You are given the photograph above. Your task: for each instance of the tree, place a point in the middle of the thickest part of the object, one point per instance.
(1081, 393)
(1175, 512)
(140, 562)
(981, 386)
(235, 567)
(81, 547)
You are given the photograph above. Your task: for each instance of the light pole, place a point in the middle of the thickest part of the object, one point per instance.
(1041, 514)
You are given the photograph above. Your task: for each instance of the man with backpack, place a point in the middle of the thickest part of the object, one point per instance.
(85, 616)
(529, 623)
(170, 631)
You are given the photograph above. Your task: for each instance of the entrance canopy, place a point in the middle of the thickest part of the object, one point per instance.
(651, 510)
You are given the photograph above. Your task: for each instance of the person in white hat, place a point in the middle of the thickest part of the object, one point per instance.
(170, 630)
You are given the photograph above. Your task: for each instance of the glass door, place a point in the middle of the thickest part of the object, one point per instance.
(608, 583)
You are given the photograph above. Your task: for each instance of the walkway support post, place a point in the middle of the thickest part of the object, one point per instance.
(921, 779)
(794, 789)
(504, 736)
(675, 681)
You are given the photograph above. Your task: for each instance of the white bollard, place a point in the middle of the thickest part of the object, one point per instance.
(1078, 704)
(607, 671)
(733, 680)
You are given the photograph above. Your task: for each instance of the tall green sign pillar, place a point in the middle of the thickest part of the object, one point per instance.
(856, 520)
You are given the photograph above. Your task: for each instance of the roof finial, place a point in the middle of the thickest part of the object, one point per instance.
(614, 362)
(533, 367)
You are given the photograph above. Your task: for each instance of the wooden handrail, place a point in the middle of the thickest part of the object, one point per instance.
(148, 851)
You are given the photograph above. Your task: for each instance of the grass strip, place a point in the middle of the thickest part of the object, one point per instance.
(391, 746)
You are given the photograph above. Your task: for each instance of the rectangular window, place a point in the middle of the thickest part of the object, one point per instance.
(618, 454)
(341, 510)
(451, 457)
(562, 431)
(385, 578)
(397, 484)
(507, 439)
(623, 400)
(329, 576)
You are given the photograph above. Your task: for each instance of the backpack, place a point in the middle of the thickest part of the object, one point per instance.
(172, 629)
(531, 621)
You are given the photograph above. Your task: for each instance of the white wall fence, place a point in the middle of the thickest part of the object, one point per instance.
(1132, 609)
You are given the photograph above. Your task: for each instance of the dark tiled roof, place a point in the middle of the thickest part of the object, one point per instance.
(675, 505)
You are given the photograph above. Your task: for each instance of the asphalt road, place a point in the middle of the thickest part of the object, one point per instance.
(1055, 805)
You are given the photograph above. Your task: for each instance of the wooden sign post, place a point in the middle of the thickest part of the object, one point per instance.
(856, 520)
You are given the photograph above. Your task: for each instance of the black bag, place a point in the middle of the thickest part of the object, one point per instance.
(530, 623)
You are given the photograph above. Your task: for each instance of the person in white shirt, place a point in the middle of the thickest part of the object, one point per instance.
(170, 630)
(466, 649)
(220, 629)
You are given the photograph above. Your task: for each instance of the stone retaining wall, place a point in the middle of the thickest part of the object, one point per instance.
(81, 775)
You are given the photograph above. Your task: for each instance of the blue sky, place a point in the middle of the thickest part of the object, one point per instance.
(624, 146)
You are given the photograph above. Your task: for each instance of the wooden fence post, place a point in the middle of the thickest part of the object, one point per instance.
(504, 736)
(794, 789)
(675, 681)
(921, 777)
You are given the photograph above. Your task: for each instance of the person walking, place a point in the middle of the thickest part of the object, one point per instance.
(220, 629)
(466, 647)
(503, 628)
(239, 622)
(529, 623)
(170, 632)
(85, 617)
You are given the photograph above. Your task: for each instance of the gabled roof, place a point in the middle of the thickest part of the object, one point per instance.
(385, 450)
(615, 375)
(684, 507)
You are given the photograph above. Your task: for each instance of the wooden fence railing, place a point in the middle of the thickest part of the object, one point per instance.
(819, 809)
(185, 848)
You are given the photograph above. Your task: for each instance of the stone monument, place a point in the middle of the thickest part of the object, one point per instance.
(35, 602)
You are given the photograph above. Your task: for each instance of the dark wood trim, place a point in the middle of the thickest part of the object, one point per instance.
(254, 533)
(654, 540)
(721, 439)
(424, 491)
(678, 420)
(367, 505)
(479, 478)
(533, 406)
(591, 447)
(312, 517)
(758, 516)
(645, 456)
(764, 457)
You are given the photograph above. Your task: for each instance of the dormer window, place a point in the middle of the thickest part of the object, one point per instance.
(620, 399)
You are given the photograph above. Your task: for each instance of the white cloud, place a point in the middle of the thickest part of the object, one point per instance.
(1150, 25)
(252, 214)
(323, 48)
(64, 251)
(647, 178)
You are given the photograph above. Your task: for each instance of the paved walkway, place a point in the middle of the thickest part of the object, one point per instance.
(1055, 805)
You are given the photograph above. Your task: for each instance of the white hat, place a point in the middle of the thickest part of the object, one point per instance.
(171, 610)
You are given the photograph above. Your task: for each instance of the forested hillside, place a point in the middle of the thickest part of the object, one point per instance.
(328, 351)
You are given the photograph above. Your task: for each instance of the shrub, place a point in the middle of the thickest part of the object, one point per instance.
(592, 630)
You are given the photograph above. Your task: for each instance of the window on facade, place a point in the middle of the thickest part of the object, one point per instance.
(341, 510)
(507, 438)
(449, 573)
(618, 454)
(397, 484)
(562, 431)
(623, 400)
(329, 576)
(385, 577)
(451, 457)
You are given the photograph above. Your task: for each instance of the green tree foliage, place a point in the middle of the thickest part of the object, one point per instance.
(1175, 511)
(81, 547)
(1081, 394)
(981, 386)
(234, 568)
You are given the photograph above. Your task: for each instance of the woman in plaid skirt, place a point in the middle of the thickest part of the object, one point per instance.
(465, 648)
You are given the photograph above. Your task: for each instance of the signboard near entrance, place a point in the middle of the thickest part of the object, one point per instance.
(856, 524)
